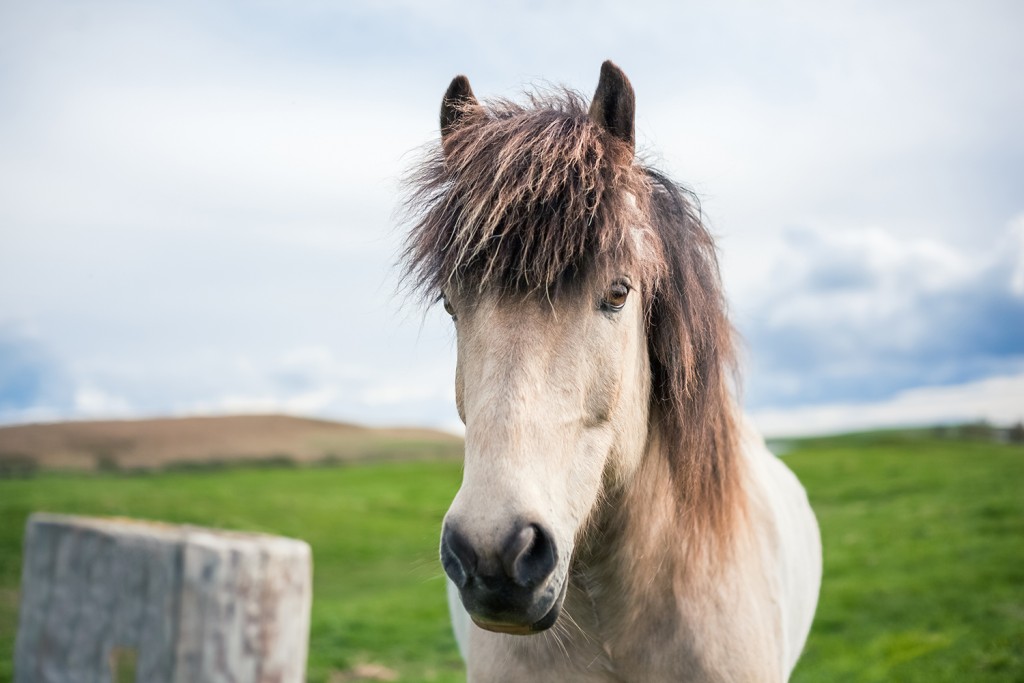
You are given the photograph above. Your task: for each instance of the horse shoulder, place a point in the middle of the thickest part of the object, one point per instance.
(793, 541)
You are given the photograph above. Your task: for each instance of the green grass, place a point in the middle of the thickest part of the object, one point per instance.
(378, 590)
(924, 559)
(924, 553)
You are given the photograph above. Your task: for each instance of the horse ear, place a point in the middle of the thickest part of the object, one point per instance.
(457, 99)
(614, 104)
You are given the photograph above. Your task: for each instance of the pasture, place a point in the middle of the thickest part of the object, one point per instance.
(923, 538)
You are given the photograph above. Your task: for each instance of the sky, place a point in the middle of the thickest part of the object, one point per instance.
(198, 199)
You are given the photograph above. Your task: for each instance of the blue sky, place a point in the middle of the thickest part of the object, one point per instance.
(197, 199)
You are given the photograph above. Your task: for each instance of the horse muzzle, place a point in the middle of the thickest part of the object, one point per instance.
(510, 588)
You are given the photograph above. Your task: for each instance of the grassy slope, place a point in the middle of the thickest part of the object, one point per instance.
(924, 553)
(924, 559)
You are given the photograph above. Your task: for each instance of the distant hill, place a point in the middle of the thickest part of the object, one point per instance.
(159, 443)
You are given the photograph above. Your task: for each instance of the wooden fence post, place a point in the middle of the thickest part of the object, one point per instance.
(120, 600)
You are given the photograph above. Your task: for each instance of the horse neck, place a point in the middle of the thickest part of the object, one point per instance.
(639, 558)
(636, 518)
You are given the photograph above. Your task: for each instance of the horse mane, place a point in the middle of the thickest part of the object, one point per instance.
(523, 198)
(693, 357)
(537, 197)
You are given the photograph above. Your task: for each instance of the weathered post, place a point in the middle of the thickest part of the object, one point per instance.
(120, 600)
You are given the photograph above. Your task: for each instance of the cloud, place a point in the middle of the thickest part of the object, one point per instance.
(93, 402)
(862, 315)
(196, 198)
(308, 381)
(996, 399)
(315, 381)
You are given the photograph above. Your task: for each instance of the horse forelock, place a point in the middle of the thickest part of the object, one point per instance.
(526, 198)
(537, 197)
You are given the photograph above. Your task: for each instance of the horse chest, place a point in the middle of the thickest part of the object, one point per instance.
(721, 629)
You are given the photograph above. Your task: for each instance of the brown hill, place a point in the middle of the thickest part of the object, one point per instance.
(141, 444)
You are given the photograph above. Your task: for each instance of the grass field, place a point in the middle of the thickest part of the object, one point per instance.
(924, 553)
(924, 559)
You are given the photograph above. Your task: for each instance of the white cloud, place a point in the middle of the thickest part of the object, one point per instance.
(90, 401)
(997, 399)
(310, 403)
(394, 394)
(309, 380)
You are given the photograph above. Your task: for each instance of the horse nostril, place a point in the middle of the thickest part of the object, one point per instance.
(529, 556)
(457, 556)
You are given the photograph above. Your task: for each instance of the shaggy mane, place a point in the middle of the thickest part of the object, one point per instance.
(524, 198)
(534, 197)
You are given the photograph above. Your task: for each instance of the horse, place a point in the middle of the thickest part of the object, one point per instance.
(619, 519)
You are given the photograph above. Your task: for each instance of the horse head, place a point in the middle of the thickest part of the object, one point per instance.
(561, 262)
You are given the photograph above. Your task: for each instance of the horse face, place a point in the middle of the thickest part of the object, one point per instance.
(554, 395)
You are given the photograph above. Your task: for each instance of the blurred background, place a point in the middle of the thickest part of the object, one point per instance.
(197, 200)
(198, 220)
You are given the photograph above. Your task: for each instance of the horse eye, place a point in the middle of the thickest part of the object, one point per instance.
(615, 297)
(448, 308)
